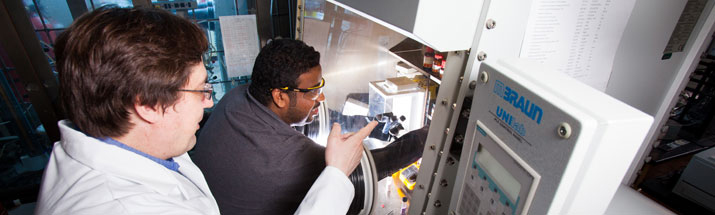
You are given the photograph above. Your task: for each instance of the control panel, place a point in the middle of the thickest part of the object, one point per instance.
(540, 142)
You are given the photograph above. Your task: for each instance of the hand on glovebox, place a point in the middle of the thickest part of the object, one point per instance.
(344, 151)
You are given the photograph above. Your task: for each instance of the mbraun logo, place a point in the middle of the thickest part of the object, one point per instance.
(509, 120)
(531, 110)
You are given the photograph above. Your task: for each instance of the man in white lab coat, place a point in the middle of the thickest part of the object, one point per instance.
(134, 88)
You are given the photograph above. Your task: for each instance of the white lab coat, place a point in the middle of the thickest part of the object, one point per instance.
(87, 176)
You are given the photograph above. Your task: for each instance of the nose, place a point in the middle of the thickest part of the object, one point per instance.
(321, 97)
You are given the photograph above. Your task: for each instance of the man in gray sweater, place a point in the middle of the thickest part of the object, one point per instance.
(254, 161)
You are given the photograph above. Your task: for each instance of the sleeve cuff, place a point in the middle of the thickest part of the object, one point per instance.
(331, 193)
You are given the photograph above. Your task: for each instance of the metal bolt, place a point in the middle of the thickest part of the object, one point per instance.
(451, 162)
(459, 138)
(454, 106)
(443, 183)
(564, 130)
(429, 195)
(434, 174)
(444, 101)
(491, 24)
(437, 204)
(481, 56)
(461, 78)
(441, 152)
(466, 112)
(446, 131)
(472, 85)
(484, 76)
(432, 147)
(422, 187)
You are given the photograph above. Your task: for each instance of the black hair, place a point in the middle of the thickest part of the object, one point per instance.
(279, 64)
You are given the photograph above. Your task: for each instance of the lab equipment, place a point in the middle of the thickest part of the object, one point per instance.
(696, 182)
(403, 98)
(543, 143)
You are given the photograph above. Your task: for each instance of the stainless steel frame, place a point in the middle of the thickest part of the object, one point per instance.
(25, 51)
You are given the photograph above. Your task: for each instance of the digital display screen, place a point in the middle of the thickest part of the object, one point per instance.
(498, 173)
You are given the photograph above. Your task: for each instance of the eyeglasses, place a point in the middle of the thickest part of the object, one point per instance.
(207, 91)
(311, 93)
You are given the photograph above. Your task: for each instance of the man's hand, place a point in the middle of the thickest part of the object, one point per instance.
(345, 150)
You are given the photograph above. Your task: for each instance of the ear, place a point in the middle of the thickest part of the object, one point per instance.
(148, 113)
(280, 99)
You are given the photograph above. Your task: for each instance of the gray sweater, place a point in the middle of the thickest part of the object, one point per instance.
(254, 163)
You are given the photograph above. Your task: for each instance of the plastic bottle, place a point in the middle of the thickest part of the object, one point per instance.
(437, 65)
(428, 59)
